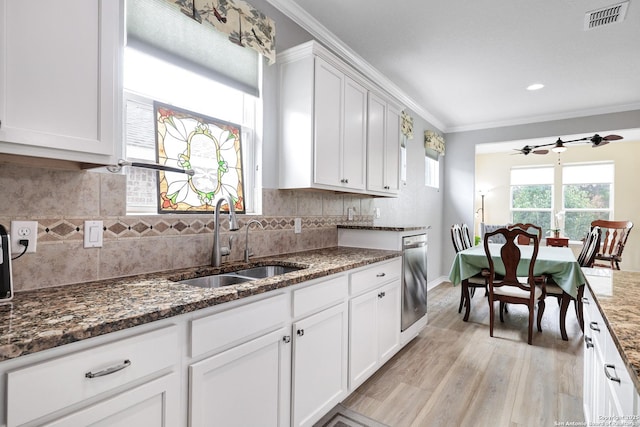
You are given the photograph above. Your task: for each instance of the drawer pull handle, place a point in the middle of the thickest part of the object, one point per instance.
(606, 372)
(585, 300)
(381, 274)
(300, 332)
(109, 371)
(588, 341)
(381, 295)
(594, 326)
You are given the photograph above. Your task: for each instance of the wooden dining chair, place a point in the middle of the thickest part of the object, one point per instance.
(531, 228)
(468, 286)
(585, 259)
(614, 238)
(512, 288)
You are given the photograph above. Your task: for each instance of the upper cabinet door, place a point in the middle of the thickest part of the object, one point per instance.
(60, 84)
(383, 146)
(354, 139)
(327, 126)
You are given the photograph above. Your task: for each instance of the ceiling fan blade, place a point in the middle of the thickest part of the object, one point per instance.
(611, 137)
(540, 151)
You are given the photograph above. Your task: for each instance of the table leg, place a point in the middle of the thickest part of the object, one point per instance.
(467, 299)
(564, 305)
(579, 307)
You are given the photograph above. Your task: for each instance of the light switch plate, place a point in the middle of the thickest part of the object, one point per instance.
(93, 231)
(297, 225)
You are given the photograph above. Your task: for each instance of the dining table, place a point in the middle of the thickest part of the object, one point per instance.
(557, 263)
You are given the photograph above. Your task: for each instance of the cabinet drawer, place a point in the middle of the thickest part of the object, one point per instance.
(376, 275)
(319, 295)
(623, 389)
(236, 325)
(41, 389)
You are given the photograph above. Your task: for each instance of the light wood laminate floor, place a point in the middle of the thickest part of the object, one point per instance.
(455, 374)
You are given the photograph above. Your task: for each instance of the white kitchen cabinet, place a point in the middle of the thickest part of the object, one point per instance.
(242, 386)
(250, 367)
(609, 394)
(323, 121)
(319, 364)
(86, 386)
(339, 127)
(60, 79)
(320, 357)
(383, 146)
(374, 320)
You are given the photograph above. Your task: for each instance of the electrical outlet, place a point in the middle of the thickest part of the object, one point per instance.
(24, 230)
(297, 225)
(376, 212)
(350, 214)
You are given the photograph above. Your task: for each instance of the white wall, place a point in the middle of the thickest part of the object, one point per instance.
(459, 174)
(493, 172)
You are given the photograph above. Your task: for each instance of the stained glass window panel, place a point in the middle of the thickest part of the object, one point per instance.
(211, 147)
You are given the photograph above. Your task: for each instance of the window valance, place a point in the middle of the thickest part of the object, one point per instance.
(242, 23)
(433, 144)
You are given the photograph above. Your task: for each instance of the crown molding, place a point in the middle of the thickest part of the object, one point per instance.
(547, 118)
(301, 17)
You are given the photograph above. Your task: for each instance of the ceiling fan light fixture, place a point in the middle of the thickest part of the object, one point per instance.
(559, 147)
(535, 86)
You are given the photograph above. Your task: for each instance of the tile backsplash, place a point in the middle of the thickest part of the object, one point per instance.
(61, 200)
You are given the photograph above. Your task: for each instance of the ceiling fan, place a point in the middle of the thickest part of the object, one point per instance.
(559, 146)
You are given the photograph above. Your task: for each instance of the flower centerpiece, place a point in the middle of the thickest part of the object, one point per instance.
(558, 219)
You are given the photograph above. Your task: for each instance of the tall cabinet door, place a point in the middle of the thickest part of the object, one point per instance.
(327, 127)
(60, 79)
(392, 149)
(375, 142)
(319, 364)
(389, 320)
(354, 141)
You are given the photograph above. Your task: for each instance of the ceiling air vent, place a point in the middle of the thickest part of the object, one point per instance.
(605, 16)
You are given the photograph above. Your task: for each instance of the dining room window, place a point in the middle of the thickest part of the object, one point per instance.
(532, 196)
(587, 194)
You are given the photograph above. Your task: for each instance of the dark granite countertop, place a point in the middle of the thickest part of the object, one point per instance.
(618, 300)
(45, 318)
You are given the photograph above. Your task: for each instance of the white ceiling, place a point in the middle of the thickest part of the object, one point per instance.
(466, 64)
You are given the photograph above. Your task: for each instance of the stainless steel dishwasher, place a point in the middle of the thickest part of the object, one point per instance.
(414, 279)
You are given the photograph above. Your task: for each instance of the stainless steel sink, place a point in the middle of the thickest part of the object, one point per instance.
(216, 281)
(266, 271)
(240, 276)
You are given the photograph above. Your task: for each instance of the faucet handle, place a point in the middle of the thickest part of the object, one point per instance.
(231, 241)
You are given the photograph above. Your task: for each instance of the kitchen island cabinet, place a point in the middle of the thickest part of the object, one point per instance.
(60, 79)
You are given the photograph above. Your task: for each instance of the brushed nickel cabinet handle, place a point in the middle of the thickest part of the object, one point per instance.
(585, 300)
(286, 339)
(300, 332)
(594, 326)
(381, 274)
(109, 371)
(611, 377)
(589, 342)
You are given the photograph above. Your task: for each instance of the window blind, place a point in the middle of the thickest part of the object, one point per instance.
(160, 29)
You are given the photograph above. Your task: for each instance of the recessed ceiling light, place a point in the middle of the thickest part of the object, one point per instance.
(535, 86)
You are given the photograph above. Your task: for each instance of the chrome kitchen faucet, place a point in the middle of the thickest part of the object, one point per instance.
(218, 252)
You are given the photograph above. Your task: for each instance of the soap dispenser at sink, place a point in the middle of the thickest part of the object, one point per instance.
(6, 282)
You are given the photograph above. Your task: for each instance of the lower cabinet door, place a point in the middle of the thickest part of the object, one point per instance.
(319, 364)
(363, 338)
(243, 386)
(388, 320)
(153, 404)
